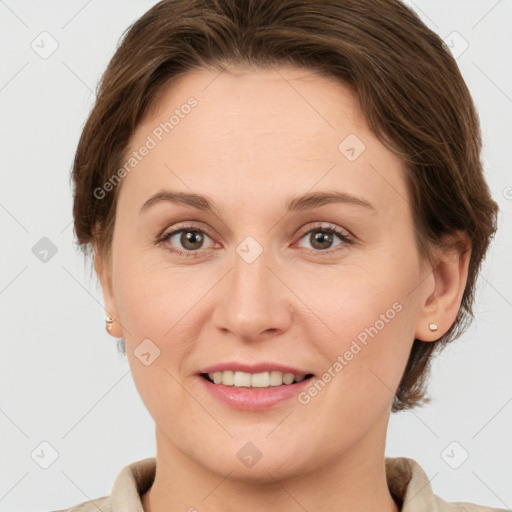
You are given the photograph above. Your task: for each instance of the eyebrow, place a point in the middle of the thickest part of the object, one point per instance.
(307, 201)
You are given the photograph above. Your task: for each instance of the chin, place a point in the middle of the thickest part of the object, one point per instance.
(276, 464)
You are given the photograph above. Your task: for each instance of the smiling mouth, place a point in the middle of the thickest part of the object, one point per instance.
(237, 379)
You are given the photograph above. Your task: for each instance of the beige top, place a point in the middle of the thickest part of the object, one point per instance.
(407, 482)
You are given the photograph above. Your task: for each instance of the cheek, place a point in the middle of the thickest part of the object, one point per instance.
(362, 300)
(373, 353)
(153, 300)
(365, 364)
(371, 315)
(155, 308)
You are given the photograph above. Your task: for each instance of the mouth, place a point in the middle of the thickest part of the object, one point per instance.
(254, 387)
(239, 379)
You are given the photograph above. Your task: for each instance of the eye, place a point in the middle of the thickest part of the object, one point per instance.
(188, 239)
(321, 238)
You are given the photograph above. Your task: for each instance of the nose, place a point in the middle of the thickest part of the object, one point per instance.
(253, 302)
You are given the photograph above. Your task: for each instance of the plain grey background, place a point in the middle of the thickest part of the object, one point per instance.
(63, 383)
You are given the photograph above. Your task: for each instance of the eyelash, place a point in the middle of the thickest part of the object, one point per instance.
(330, 228)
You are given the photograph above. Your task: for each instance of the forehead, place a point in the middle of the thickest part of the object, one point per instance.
(291, 101)
(267, 132)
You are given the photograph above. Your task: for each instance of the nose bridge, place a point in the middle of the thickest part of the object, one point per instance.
(255, 301)
(251, 277)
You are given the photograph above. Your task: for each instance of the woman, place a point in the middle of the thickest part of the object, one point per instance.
(287, 212)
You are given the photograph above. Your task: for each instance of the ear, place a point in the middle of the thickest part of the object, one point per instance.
(102, 268)
(449, 275)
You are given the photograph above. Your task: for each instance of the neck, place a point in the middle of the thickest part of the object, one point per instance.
(355, 482)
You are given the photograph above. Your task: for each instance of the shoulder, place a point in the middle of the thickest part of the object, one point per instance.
(132, 481)
(459, 506)
(409, 485)
(96, 505)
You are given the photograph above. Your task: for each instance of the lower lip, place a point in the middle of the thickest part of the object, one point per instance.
(254, 399)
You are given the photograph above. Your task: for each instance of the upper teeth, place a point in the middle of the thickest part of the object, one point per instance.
(255, 380)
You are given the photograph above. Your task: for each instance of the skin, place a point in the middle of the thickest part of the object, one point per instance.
(255, 139)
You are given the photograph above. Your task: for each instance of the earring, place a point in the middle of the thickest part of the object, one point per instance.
(433, 327)
(110, 320)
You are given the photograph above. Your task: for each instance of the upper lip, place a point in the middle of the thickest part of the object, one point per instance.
(253, 368)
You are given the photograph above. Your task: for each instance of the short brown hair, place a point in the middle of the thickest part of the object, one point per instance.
(407, 83)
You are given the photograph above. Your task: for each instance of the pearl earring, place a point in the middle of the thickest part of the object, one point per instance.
(110, 320)
(433, 327)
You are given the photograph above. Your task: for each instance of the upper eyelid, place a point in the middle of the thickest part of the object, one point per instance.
(316, 225)
(184, 227)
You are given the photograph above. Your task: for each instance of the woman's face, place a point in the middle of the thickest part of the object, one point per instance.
(259, 281)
